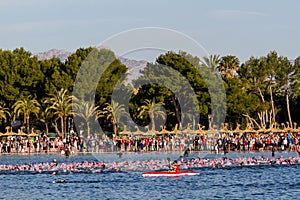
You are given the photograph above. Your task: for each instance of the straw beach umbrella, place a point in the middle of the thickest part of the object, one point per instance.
(9, 132)
(150, 132)
(124, 132)
(163, 131)
(137, 132)
(21, 132)
(175, 130)
(32, 134)
(200, 130)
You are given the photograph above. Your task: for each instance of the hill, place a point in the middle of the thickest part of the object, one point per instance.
(61, 54)
(134, 66)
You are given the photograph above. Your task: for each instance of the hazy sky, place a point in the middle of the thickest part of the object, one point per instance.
(239, 27)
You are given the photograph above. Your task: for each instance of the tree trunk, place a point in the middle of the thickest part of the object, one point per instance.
(177, 113)
(252, 120)
(272, 102)
(152, 121)
(88, 129)
(210, 121)
(47, 127)
(288, 110)
(62, 127)
(261, 95)
(56, 128)
(114, 127)
(260, 114)
(272, 123)
(27, 124)
(65, 125)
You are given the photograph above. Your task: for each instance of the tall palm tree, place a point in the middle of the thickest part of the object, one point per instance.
(46, 116)
(228, 66)
(114, 112)
(85, 110)
(212, 62)
(4, 112)
(61, 105)
(26, 106)
(153, 109)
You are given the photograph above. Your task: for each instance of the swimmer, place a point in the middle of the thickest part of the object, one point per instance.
(67, 153)
(60, 181)
(98, 167)
(273, 151)
(186, 152)
(54, 163)
(120, 154)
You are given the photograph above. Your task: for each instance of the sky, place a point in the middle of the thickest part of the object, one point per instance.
(232, 27)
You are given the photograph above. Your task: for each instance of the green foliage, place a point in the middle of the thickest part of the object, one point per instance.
(153, 110)
(61, 105)
(4, 112)
(54, 77)
(99, 73)
(113, 112)
(240, 101)
(20, 75)
(26, 106)
(228, 66)
(86, 111)
(190, 72)
(178, 80)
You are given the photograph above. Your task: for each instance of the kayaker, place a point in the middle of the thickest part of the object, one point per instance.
(175, 167)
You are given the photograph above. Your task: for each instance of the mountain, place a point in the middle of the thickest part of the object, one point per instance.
(61, 54)
(134, 66)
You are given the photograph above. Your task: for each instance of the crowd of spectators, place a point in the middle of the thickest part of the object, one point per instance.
(218, 142)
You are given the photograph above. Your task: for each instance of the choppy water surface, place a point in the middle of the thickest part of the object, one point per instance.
(257, 182)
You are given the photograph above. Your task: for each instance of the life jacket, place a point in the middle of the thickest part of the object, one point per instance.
(176, 168)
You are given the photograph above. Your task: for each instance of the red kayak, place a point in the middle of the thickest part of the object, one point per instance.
(166, 173)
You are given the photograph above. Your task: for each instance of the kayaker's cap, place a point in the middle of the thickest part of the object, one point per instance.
(54, 160)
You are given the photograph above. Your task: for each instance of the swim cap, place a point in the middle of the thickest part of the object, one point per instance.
(61, 181)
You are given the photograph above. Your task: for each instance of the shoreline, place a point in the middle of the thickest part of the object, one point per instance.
(179, 153)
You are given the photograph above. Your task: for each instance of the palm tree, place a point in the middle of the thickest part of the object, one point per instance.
(228, 66)
(26, 107)
(113, 111)
(212, 62)
(86, 111)
(4, 112)
(61, 104)
(153, 109)
(46, 117)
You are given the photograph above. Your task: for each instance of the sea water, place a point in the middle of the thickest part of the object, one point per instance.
(255, 182)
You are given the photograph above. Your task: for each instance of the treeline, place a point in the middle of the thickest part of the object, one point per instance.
(262, 92)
